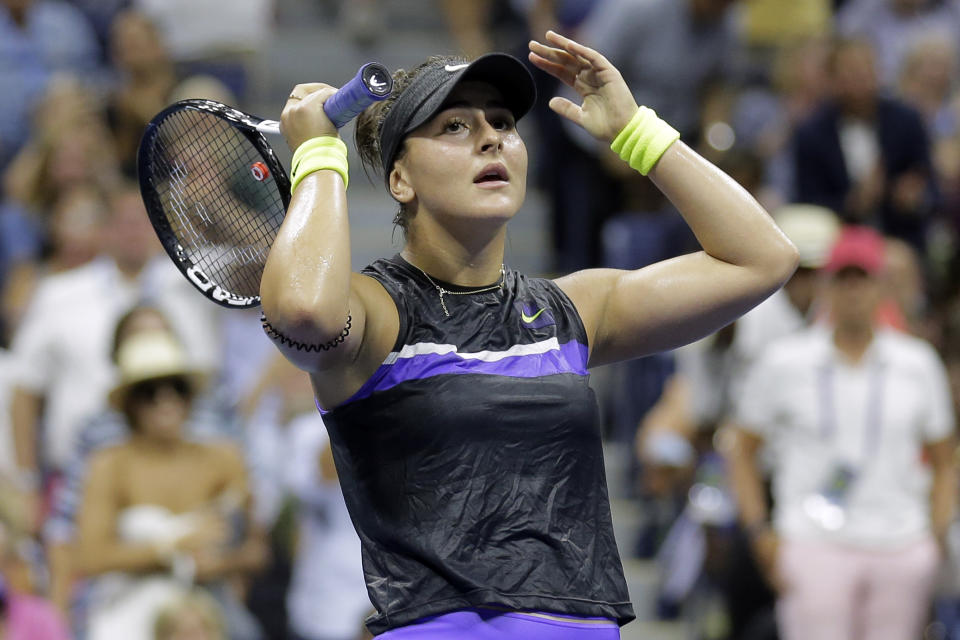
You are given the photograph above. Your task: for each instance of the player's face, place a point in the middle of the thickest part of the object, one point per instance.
(467, 161)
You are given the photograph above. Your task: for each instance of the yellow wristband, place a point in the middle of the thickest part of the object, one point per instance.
(324, 152)
(645, 138)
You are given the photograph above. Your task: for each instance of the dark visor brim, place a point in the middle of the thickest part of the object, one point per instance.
(428, 93)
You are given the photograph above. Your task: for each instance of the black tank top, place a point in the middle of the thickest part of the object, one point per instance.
(471, 461)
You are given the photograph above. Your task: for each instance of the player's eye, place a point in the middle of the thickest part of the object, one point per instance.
(455, 125)
(502, 123)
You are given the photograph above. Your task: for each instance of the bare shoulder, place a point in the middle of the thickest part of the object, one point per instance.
(108, 459)
(587, 284)
(589, 289)
(223, 451)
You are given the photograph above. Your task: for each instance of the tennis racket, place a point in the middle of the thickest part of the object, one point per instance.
(215, 191)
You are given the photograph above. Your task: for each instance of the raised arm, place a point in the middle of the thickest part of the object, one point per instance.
(745, 256)
(316, 308)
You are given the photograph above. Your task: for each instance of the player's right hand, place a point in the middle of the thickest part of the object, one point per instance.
(303, 116)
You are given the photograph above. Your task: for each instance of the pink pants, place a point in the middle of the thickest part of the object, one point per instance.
(842, 593)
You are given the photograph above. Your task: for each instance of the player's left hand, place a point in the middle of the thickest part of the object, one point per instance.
(608, 104)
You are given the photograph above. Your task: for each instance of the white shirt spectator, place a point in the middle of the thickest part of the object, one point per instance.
(772, 319)
(327, 597)
(8, 466)
(830, 423)
(715, 377)
(62, 348)
(267, 444)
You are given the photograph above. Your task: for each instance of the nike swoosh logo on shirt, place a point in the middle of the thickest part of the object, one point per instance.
(529, 319)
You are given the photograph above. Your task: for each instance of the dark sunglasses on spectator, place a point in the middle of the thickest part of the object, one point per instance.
(148, 390)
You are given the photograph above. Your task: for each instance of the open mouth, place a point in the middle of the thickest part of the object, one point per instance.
(492, 173)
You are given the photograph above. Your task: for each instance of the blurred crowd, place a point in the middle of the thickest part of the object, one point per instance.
(165, 474)
(796, 471)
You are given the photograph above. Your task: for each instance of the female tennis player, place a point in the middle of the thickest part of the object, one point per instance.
(455, 389)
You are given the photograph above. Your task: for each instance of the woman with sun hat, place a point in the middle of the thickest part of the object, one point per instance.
(159, 510)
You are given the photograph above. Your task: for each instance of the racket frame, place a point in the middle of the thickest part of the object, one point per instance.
(252, 128)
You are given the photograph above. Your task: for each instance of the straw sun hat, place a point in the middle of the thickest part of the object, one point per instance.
(812, 229)
(150, 356)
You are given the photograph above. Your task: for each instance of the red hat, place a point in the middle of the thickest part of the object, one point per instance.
(857, 246)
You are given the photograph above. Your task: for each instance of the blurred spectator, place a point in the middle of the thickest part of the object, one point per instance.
(906, 288)
(160, 511)
(765, 114)
(37, 39)
(147, 78)
(62, 361)
(771, 24)
(927, 81)
(20, 243)
(328, 597)
(193, 617)
(681, 474)
(24, 616)
(73, 233)
(669, 51)
(893, 26)
(203, 38)
(246, 361)
(197, 29)
(865, 155)
(8, 464)
(708, 371)
(71, 238)
(857, 521)
(668, 462)
(148, 82)
(209, 420)
(202, 86)
(279, 394)
(69, 148)
(70, 145)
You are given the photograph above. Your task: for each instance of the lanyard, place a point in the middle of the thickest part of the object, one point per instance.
(873, 429)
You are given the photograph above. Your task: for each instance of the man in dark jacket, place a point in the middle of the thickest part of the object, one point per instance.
(866, 155)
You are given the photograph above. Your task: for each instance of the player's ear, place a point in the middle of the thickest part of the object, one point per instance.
(400, 187)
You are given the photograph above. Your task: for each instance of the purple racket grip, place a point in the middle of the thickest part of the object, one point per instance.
(373, 82)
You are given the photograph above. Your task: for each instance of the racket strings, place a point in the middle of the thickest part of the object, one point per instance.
(219, 200)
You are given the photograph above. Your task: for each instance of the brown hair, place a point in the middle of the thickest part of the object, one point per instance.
(369, 125)
(196, 602)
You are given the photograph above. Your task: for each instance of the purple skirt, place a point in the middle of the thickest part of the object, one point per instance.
(488, 624)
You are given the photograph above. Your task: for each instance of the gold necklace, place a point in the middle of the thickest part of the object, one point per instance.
(441, 291)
